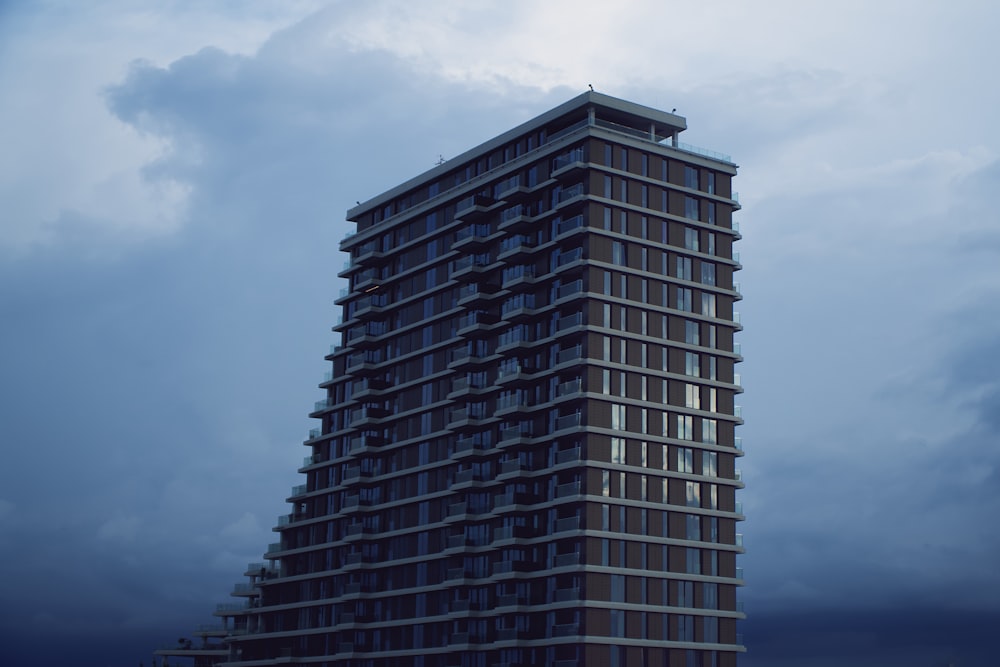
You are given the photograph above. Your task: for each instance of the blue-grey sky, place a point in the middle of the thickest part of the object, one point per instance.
(173, 179)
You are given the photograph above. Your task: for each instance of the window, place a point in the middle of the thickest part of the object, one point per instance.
(691, 177)
(693, 561)
(607, 187)
(709, 464)
(607, 348)
(685, 592)
(684, 268)
(617, 417)
(692, 527)
(691, 208)
(607, 218)
(692, 366)
(692, 494)
(606, 485)
(692, 332)
(606, 382)
(685, 628)
(711, 243)
(710, 182)
(691, 239)
(685, 427)
(684, 299)
(692, 396)
(709, 431)
(607, 283)
(707, 273)
(618, 450)
(711, 212)
(607, 315)
(708, 304)
(605, 515)
(685, 459)
(618, 253)
(618, 588)
(710, 629)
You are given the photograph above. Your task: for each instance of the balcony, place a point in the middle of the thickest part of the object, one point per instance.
(571, 455)
(568, 421)
(567, 560)
(514, 217)
(572, 388)
(570, 355)
(473, 237)
(569, 524)
(570, 226)
(367, 416)
(469, 267)
(568, 292)
(566, 594)
(473, 205)
(469, 446)
(566, 630)
(568, 490)
(465, 418)
(569, 322)
(514, 435)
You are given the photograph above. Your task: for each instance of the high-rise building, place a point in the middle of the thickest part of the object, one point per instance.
(527, 453)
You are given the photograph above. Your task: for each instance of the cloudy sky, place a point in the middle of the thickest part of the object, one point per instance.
(173, 179)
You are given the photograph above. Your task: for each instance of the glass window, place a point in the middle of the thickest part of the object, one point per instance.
(692, 494)
(685, 427)
(692, 332)
(710, 182)
(607, 187)
(685, 459)
(709, 431)
(708, 273)
(618, 450)
(711, 212)
(711, 243)
(684, 268)
(692, 396)
(692, 365)
(691, 238)
(693, 527)
(690, 177)
(618, 253)
(708, 304)
(684, 299)
(691, 208)
(709, 464)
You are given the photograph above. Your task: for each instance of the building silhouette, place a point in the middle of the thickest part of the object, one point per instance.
(527, 450)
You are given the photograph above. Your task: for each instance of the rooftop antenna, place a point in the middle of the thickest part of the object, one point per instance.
(440, 159)
(591, 87)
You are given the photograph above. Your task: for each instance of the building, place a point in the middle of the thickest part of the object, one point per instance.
(527, 451)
